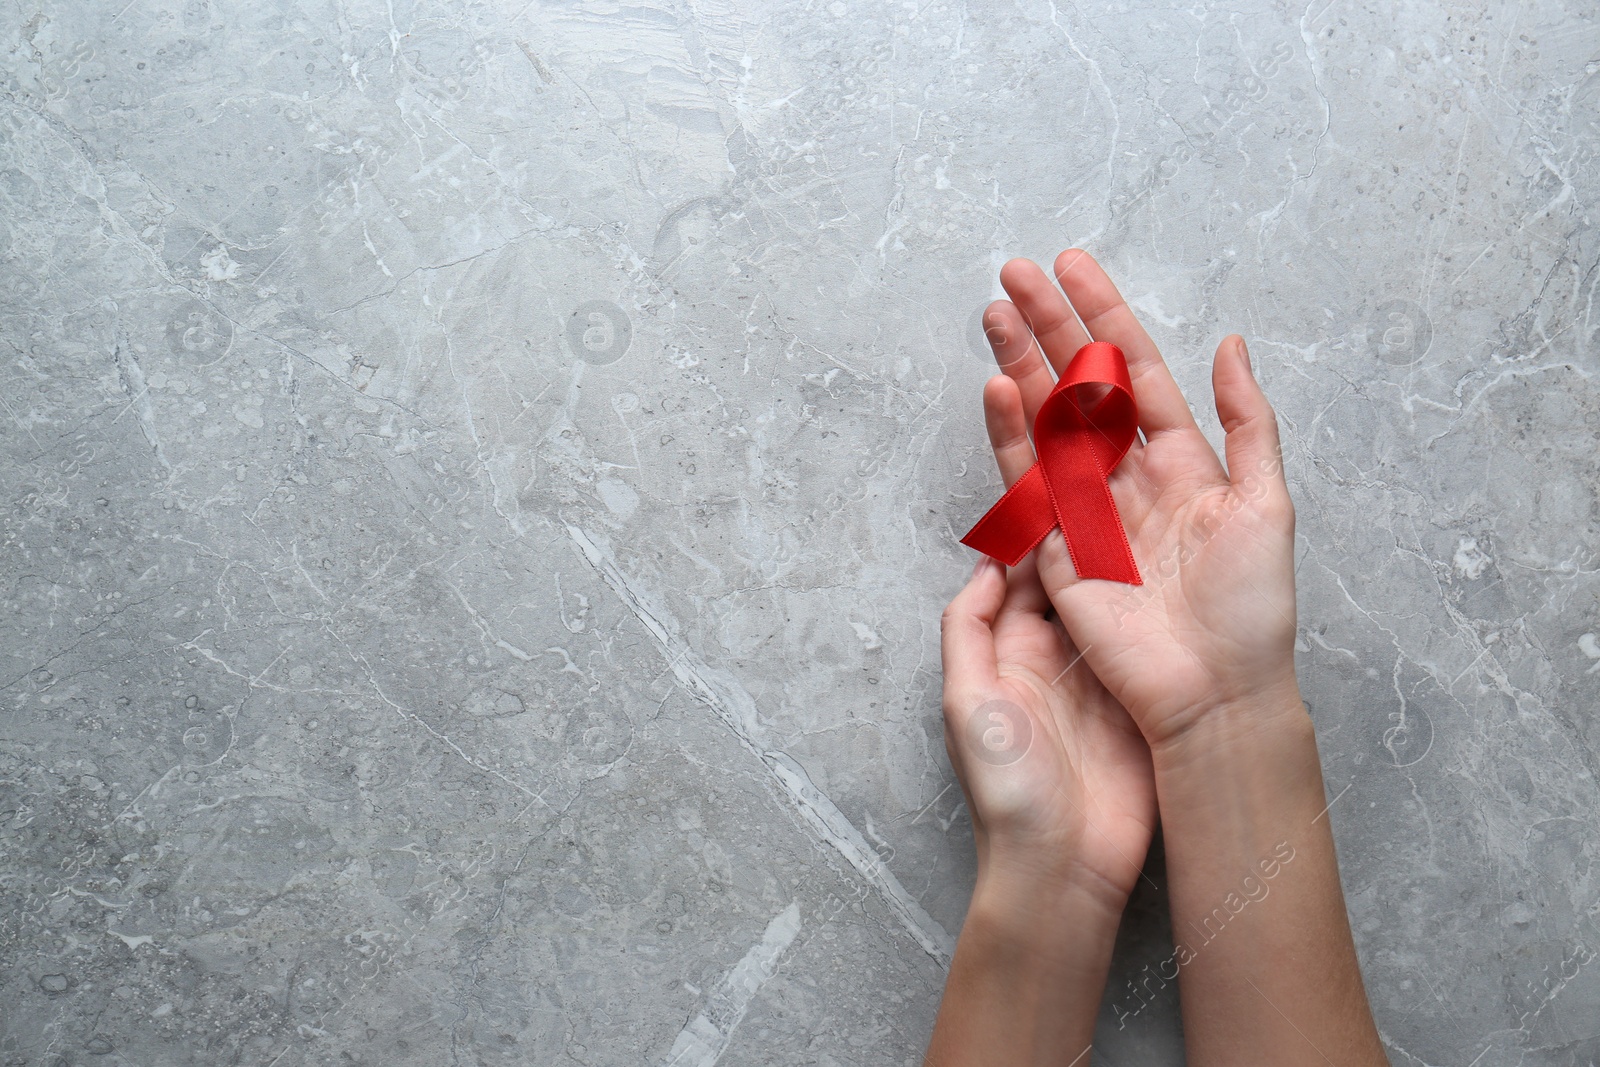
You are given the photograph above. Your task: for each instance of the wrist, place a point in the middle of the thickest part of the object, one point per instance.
(1272, 716)
(1062, 914)
(1027, 976)
(1253, 769)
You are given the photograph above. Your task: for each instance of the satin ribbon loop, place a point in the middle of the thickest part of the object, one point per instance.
(1068, 485)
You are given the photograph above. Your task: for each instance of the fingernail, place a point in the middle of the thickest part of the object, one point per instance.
(1245, 352)
(983, 561)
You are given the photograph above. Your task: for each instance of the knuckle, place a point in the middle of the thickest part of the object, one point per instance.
(956, 705)
(1278, 509)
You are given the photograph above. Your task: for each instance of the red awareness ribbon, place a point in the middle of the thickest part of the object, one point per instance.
(1067, 485)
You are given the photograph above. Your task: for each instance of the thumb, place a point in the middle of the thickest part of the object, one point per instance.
(966, 637)
(1254, 452)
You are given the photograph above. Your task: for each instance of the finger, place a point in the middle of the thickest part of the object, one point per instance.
(1002, 411)
(1053, 322)
(1107, 317)
(966, 637)
(1025, 595)
(1254, 450)
(1018, 354)
(1008, 429)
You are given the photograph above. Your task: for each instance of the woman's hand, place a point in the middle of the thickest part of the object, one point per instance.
(1213, 624)
(1057, 776)
(1060, 787)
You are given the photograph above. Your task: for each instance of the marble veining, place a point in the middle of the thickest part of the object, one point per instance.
(481, 479)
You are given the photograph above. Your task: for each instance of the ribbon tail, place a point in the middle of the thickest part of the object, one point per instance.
(1018, 522)
(1095, 537)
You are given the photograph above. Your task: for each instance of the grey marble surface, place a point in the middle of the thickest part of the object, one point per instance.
(481, 479)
